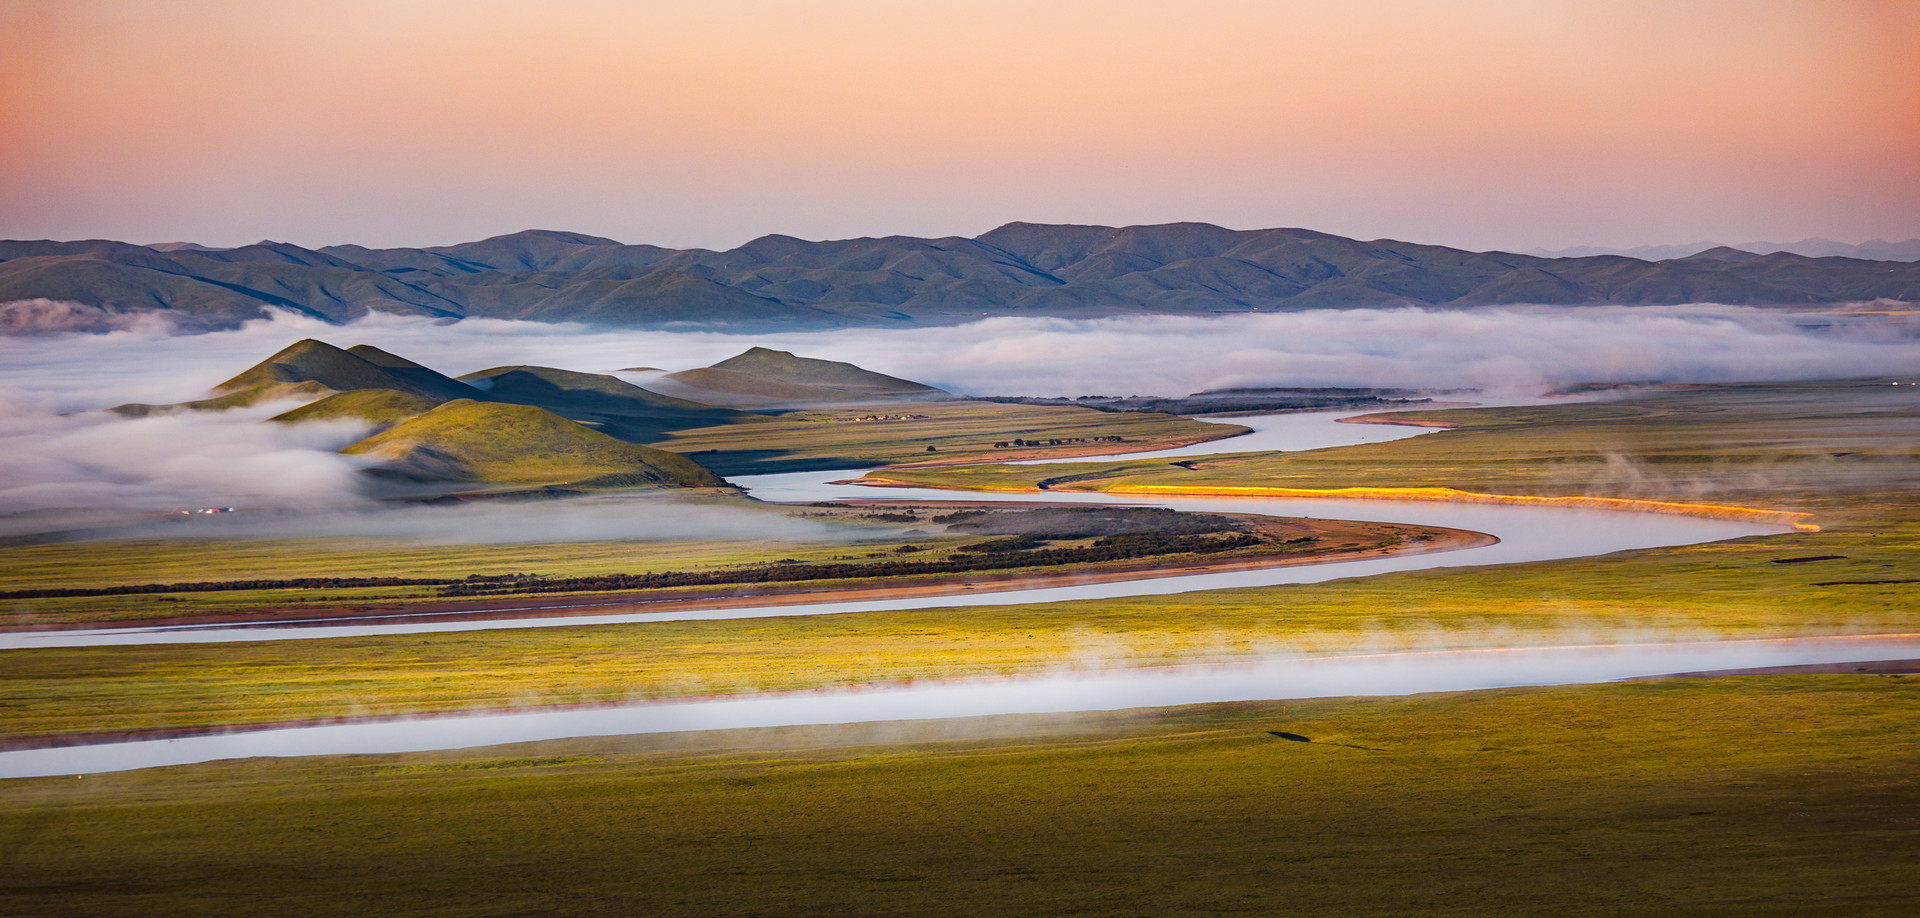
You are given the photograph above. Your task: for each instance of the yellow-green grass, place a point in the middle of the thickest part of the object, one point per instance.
(384, 407)
(848, 534)
(106, 564)
(466, 440)
(1731, 589)
(1830, 448)
(961, 430)
(1758, 795)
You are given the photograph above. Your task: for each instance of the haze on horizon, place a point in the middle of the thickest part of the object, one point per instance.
(1509, 125)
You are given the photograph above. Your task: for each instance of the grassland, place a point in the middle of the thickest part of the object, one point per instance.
(1835, 449)
(958, 431)
(466, 440)
(1733, 589)
(1783, 795)
(1778, 795)
(850, 548)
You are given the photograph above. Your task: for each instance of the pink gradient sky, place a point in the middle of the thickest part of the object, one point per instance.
(1483, 125)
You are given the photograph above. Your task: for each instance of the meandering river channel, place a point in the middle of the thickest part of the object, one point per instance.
(1525, 533)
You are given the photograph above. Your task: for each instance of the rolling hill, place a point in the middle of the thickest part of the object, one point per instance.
(765, 378)
(777, 282)
(362, 366)
(368, 383)
(383, 407)
(605, 403)
(488, 443)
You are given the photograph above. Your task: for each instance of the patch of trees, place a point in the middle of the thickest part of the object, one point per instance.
(1116, 548)
(230, 586)
(1123, 534)
(1086, 523)
(1056, 441)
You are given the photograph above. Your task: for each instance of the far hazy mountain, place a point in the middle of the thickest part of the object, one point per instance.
(1812, 247)
(780, 282)
(522, 446)
(761, 377)
(181, 247)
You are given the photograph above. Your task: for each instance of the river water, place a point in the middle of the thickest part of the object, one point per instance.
(1313, 677)
(1526, 533)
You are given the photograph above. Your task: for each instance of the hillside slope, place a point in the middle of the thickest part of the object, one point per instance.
(762, 377)
(359, 367)
(605, 403)
(382, 407)
(495, 444)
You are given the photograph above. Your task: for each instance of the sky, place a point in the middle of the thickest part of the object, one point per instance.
(1508, 125)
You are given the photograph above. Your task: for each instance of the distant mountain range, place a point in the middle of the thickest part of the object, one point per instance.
(1021, 269)
(1812, 247)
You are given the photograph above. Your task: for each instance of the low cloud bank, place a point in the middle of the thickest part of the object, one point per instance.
(625, 517)
(98, 466)
(102, 476)
(40, 316)
(104, 463)
(1508, 349)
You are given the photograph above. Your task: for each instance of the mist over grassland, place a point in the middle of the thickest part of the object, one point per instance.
(57, 460)
(1500, 348)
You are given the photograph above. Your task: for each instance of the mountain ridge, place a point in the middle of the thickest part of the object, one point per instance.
(782, 282)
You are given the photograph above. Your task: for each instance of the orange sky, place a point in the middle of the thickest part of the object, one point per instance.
(1488, 125)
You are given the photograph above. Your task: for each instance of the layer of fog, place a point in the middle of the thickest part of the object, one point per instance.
(107, 466)
(1379, 674)
(1521, 349)
(98, 475)
(98, 462)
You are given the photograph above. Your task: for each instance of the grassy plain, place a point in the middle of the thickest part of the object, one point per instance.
(1776, 795)
(1783, 795)
(1834, 448)
(861, 538)
(1733, 589)
(836, 438)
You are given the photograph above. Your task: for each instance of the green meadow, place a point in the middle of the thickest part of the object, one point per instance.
(1774, 796)
(839, 438)
(1847, 450)
(1771, 795)
(1731, 589)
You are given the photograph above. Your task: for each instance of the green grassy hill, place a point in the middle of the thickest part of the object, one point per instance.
(762, 376)
(309, 369)
(610, 405)
(384, 407)
(470, 441)
(360, 367)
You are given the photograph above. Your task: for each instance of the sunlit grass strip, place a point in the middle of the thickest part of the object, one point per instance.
(1792, 518)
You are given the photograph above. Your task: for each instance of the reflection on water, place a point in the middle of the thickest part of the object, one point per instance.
(1287, 432)
(1361, 674)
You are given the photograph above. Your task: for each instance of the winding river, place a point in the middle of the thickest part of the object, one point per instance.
(1526, 533)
